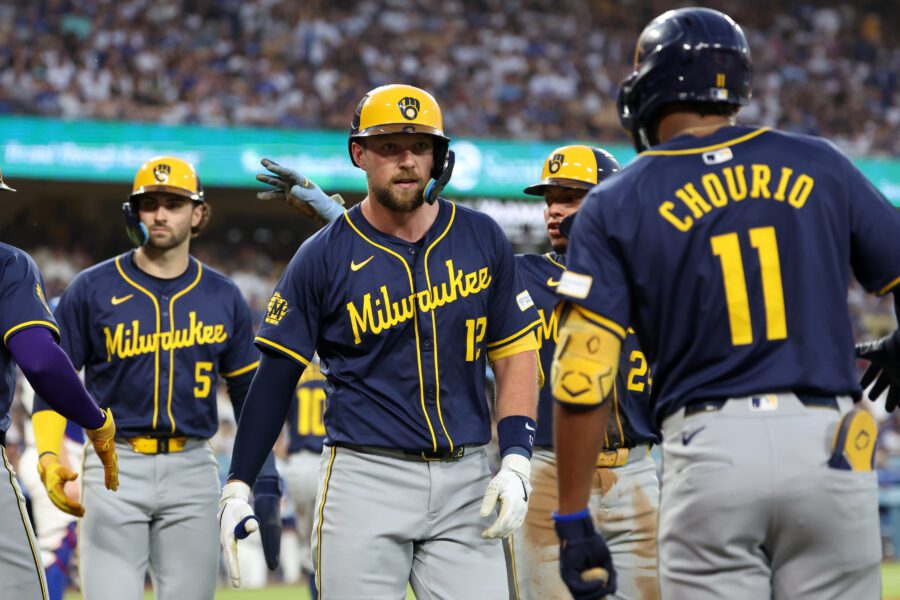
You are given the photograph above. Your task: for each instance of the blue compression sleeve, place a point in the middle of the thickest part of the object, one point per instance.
(50, 372)
(263, 415)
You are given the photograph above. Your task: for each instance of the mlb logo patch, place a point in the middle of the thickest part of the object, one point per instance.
(764, 403)
(524, 301)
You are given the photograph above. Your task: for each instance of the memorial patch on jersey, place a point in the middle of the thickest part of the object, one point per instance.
(276, 309)
(575, 285)
(523, 299)
(39, 292)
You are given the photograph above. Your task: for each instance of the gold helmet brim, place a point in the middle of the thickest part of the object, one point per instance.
(389, 128)
(561, 182)
(167, 189)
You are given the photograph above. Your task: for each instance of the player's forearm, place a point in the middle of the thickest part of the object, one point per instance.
(50, 372)
(263, 415)
(578, 434)
(517, 385)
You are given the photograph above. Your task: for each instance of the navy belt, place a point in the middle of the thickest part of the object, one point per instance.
(412, 455)
(714, 404)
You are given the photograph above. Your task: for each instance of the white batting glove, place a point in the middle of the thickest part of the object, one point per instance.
(236, 522)
(511, 486)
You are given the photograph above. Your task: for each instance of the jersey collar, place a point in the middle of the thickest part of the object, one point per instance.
(437, 228)
(157, 283)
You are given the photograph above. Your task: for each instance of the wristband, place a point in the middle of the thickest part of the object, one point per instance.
(576, 516)
(516, 431)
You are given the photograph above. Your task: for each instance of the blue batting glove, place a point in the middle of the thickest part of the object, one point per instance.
(585, 563)
(267, 492)
(300, 192)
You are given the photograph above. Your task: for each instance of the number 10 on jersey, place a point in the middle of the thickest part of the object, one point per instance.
(727, 247)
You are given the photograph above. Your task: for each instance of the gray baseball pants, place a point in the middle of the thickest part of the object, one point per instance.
(21, 570)
(382, 522)
(751, 509)
(624, 502)
(163, 517)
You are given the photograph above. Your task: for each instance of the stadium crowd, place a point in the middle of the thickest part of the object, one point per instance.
(540, 69)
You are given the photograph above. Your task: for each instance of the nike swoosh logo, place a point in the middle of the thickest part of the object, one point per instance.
(529, 427)
(357, 266)
(117, 301)
(687, 437)
(552, 282)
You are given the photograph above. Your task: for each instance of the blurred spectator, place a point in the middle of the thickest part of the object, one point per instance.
(529, 69)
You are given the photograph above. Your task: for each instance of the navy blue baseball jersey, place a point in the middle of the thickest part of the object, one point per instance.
(306, 419)
(22, 305)
(152, 349)
(630, 421)
(736, 247)
(403, 329)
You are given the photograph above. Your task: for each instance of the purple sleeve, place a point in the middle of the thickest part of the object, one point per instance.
(51, 374)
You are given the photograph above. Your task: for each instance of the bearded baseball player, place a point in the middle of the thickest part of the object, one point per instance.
(31, 341)
(154, 328)
(405, 298)
(728, 249)
(624, 490)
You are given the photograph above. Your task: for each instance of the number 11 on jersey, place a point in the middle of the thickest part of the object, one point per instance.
(728, 248)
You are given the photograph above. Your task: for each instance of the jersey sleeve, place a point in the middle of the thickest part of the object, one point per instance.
(291, 324)
(874, 228)
(72, 313)
(240, 355)
(595, 276)
(512, 316)
(22, 301)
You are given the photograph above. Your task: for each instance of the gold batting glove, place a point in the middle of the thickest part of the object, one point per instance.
(104, 441)
(54, 477)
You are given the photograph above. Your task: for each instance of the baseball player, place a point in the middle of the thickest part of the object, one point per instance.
(625, 492)
(624, 489)
(306, 433)
(154, 329)
(728, 249)
(405, 298)
(30, 340)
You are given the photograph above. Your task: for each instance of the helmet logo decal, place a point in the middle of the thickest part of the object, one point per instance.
(161, 172)
(556, 163)
(720, 79)
(409, 108)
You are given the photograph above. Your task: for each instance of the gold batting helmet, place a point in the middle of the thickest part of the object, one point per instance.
(400, 108)
(170, 175)
(3, 186)
(166, 174)
(577, 167)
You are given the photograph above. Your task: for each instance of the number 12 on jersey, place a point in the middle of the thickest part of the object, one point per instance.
(727, 247)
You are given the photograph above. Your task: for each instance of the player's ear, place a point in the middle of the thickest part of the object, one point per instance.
(358, 153)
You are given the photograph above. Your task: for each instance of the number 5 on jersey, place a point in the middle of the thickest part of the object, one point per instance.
(728, 248)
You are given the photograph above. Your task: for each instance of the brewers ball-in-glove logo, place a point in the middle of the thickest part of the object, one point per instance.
(161, 172)
(556, 162)
(409, 108)
(276, 309)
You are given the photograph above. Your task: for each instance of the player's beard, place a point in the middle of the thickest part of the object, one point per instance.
(167, 242)
(399, 199)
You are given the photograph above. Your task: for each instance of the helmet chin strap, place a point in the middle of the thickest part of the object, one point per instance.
(436, 186)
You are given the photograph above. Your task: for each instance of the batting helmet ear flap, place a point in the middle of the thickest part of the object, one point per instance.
(137, 231)
(440, 177)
